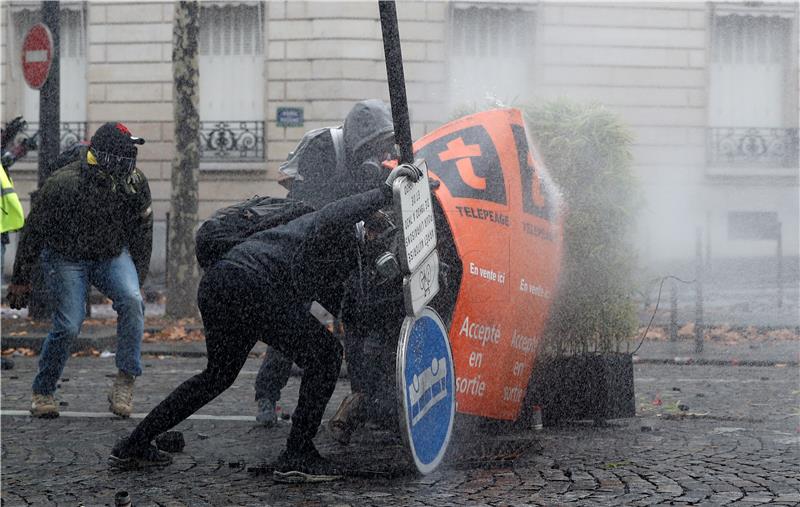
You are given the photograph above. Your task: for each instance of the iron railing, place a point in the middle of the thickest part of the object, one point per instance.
(232, 141)
(70, 132)
(753, 146)
(220, 141)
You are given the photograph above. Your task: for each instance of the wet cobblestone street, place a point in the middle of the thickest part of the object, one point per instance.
(703, 435)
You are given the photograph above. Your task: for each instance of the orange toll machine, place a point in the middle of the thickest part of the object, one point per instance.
(505, 215)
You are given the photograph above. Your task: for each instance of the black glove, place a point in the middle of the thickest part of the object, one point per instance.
(412, 172)
(18, 296)
(13, 128)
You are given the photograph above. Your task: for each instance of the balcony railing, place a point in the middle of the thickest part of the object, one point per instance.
(70, 132)
(220, 141)
(231, 141)
(753, 146)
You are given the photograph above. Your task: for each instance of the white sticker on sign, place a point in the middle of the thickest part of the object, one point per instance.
(36, 56)
(420, 286)
(412, 201)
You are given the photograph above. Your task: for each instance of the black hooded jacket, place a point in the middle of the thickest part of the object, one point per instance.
(309, 258)
(368, 121)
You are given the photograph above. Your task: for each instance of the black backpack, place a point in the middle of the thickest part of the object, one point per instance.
(228, 227)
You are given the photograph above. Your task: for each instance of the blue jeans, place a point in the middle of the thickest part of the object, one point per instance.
(69, 282)
(273, 375)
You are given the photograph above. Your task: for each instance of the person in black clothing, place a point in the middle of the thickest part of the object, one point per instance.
(327, 172)
(261, 290)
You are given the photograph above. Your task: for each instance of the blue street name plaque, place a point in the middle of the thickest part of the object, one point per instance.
(426, 384)
(289, 117)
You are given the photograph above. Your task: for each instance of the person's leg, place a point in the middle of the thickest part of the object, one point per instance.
(2, 255)
(314, 349)
(350, 412)
(117, 279)
(229, 339)
(381, 390)
(272, 375)
(319, 354)
(67, 282)
(354, 356)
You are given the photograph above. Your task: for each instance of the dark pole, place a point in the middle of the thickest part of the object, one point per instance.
(673, 312)
(779, 253)
(49, 96)
(49, 139)
(397, 80)
(698, 324)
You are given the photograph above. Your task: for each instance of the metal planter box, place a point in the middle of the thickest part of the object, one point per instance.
(586, 386)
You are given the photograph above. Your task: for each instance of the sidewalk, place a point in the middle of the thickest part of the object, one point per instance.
(768, 347)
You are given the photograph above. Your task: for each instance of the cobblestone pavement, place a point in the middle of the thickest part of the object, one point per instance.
(708, 435)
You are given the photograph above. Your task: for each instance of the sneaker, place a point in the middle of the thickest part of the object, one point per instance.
(267, 413)
(124, 457)
(44, 406)
(305, 467)
(121, 395)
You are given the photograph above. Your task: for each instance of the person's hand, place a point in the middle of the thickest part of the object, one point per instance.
(409, 171)
(18, 296)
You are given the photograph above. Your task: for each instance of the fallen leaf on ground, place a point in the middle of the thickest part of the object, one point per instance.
(86, 353)
(20, 351)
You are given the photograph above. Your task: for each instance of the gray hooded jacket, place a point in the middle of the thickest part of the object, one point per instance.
(368, 122)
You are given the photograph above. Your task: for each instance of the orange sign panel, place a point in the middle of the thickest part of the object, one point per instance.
(504, 212)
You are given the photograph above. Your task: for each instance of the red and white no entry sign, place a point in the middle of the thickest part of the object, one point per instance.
(37, 55)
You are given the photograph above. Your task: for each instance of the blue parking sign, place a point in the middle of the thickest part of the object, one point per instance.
(426, 384)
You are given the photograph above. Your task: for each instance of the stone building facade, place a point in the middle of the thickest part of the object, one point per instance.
(709, 89)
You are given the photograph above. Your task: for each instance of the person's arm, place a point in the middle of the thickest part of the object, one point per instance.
(350, 210)
(140, 238)
(33, 234)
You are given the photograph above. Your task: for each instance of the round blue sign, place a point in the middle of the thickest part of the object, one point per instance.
(426, 381)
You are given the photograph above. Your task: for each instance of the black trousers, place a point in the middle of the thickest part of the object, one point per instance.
(237, 311)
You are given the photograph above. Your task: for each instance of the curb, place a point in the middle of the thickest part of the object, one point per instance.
(79, 344)
(108, 341)
(713, 362)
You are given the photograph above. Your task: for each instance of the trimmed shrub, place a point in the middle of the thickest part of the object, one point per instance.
(587, 151)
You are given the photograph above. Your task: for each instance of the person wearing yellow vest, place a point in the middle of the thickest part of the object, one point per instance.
(12, 217)
(90, 223)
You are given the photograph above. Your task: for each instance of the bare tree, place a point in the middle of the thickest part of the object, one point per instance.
(182, 271)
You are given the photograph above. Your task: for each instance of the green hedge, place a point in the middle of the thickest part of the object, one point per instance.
(587, 151)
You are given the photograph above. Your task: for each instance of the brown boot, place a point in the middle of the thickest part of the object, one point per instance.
(347, 418)
(44, 406)
(121, 395)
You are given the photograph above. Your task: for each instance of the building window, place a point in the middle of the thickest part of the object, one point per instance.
(491, 47)
(753, 225)
(753, 89)
(73, 65)
(232, 82)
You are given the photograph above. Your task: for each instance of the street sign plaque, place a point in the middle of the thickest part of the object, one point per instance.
(289, 117)
(412, 201)
(426, 385)
(37, 55)
(422, 285)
